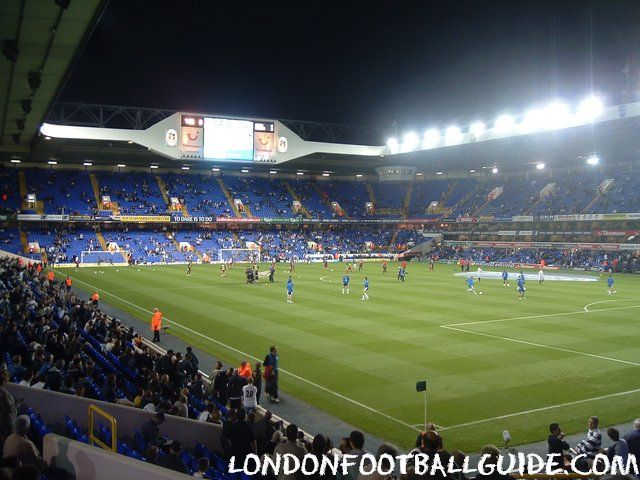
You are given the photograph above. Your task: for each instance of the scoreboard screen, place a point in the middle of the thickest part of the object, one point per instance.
(227, 139)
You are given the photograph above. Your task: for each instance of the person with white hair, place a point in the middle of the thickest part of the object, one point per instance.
(633, 438)
(19, 446)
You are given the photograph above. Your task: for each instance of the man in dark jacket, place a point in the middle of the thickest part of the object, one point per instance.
(220, 386)
(172, 460)
(264, 431)
(234, 389)
(557, 446)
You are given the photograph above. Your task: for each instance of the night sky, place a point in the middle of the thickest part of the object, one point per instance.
(421, 64)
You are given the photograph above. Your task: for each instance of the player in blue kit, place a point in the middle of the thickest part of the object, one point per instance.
(521, 288)
(365, 295)
(345, 283)
(610, 282)
(289, 290)
(471, 285)
(505, 278)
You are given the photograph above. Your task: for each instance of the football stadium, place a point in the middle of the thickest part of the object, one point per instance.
(183, 289)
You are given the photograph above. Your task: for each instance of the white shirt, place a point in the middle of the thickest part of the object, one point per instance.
(540, 274)
(249, 396)
(204, 416)
(149, 407)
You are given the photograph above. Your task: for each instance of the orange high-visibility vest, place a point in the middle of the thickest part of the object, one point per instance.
(156, 321)
(95, 297)
(50, 276)
(244, 371)
(68, 282)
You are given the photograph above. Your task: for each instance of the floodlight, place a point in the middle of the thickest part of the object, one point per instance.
(593, 160)
(452, 135)
(556, 115)
(431, 138)
(272, 172)
(244, 170)
(326, 174)
(392, 143)
(409, 141)
(215, 169)
(504, 124)
(153, 166)
(15, 160)
(185, 167)
(533, 120)
(494, 170)
(300, 173)
(121, 165)
(477, 129)
(52, 162)
(590, 108)
(87, 164)
(438, 173)
(540, 166)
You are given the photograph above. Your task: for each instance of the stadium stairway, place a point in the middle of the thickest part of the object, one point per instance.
(163, 190)
(372, 194)
(95, 186)
(392, 241)
(177, 245)
(460, 202)
(294, 195)
(22, 183)
(447, 195)
(407, 204)
(24, 241)
(228, 196)
(532, 207)
(593, 202)
(101, 240)
(479, 210)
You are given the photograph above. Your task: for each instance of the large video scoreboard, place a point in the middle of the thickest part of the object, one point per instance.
(214, 138)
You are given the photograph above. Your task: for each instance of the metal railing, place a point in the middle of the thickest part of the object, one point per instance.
(93, 440)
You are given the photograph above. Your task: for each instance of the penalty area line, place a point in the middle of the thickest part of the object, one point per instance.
(233, 349)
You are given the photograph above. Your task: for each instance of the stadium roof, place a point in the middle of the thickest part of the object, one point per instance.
(41, 41)
(614, 139)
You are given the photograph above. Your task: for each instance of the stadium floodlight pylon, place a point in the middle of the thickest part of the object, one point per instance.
(239, 255)
(103, 258)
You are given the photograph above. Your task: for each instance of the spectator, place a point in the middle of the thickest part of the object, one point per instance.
(171, 459)
(557, 445)
(320, 448)
(203, 466)
(590, 445)
(292, 447)
(206, 413)
(271, 372)
(249, 393)
(234, 389)
(149, 430)
(264, 431)
(151, 454)
(8, 408)
(383, 463)
(19, 446)
(619, 447)
(493, 458)
(240, 436)
(633, 439)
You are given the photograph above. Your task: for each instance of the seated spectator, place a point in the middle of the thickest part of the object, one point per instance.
(494, 454)
(633, 439)
(19, 446)
(203, 466)
(292, 447)
(172, 460)
(619, 447)
(591, 445)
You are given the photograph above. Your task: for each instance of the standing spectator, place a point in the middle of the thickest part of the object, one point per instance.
(220, 386)
(271, 372)
(292, 447)
(257, 380)
(182, 409)
(149, 430)
(633, 439)
(234, 389)
(590, 445)
(108, 392)
(249, 394)
(240, 435)
(264, 430)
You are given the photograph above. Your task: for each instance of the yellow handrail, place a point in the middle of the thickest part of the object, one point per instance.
(93, 440)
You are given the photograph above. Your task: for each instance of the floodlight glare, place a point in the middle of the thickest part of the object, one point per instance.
(557, 115)
(494, 170)
(477, 129)
(593, 160)
(452, 136)
(121, 165)
(533, 120)
(590, 108)
(326, 174)
(504, 124)
(540, 166)
(431, 138)
(438, 173)
(409, 141)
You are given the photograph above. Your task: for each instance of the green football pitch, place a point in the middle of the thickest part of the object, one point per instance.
(492, 362)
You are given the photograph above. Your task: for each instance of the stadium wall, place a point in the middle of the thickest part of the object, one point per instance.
(86, 462)
(53, 406)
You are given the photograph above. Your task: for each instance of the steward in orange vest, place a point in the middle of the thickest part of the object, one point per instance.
(156, 324)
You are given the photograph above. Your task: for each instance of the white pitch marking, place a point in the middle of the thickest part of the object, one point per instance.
(541, 409)
(541, 345)
(325, 389)
(322, 279)
(586, 307)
